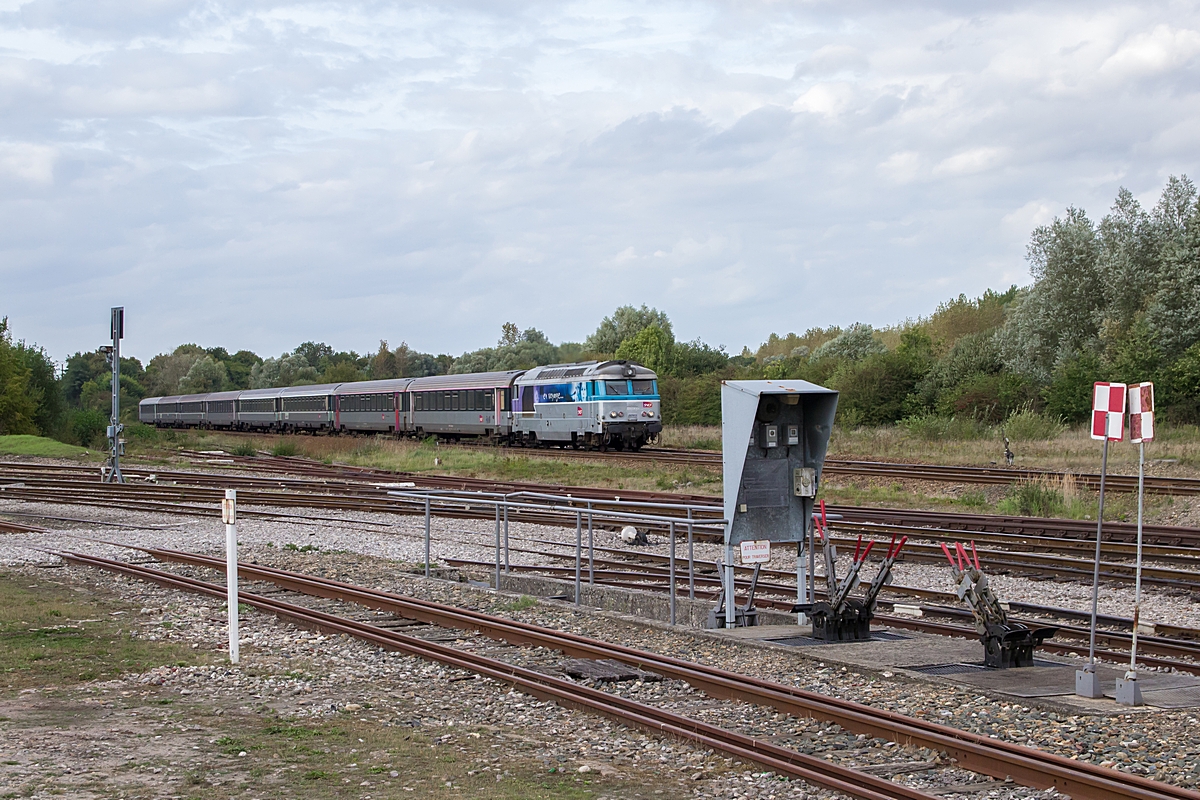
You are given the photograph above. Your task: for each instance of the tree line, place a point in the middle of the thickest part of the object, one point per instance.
(1113, 300)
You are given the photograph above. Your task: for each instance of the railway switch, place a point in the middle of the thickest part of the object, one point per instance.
(841, 617)
(1005, 643)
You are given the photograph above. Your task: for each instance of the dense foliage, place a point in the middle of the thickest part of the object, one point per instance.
(1114, 300)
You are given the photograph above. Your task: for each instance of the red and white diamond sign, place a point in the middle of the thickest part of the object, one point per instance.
(1108, 411)
(1141, 412)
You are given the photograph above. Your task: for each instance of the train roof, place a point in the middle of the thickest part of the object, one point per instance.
(383, 385)
(234, 395)
(253, 394)
(311, 389)
(589, 369)
(471, 380)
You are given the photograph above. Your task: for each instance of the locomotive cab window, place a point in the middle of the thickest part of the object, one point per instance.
(616, 388)
(643, 387)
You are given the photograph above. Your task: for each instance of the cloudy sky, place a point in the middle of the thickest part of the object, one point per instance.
(255, 174)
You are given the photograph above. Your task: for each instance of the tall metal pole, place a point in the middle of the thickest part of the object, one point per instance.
(114, 424)
(1137, 581)
(1128, 691)
(1087, 684)
(498, 553)
(591, 550)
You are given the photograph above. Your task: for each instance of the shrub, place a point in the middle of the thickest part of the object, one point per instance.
(244, 449)
(89, 427)
(141, 432)
(284, 448)
(932, 428)
(1069, 395)
(1033, 499)
(1027, 425)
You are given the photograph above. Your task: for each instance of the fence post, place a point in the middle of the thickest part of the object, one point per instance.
(578, 551)
(507, 570)
(591, 550)
(497, 546)
(229, 517)
(691, 561)
(427, 537)
(671, 571)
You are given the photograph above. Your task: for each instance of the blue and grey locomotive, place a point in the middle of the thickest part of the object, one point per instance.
(588, 404)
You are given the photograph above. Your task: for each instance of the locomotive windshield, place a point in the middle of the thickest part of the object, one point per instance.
(618, 388)
(643, 387)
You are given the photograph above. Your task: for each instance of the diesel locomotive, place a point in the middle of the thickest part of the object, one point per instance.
(595, 404)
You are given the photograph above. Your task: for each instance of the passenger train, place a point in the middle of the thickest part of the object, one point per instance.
(588, 404)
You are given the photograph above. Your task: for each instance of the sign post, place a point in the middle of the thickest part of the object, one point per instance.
(1108, 424)
(1141, 430)
(229, 517)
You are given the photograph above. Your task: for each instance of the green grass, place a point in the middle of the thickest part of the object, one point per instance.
(25, 445)
(51, 636)
(497, 463)
(520, 604)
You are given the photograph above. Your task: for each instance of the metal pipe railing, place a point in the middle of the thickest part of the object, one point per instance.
(565, 506)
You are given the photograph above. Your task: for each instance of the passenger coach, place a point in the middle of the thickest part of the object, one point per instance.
(589, 404)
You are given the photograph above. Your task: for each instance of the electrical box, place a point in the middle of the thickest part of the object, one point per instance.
(774, 438)
(770, 437)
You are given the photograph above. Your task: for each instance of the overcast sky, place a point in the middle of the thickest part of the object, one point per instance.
(257, 174)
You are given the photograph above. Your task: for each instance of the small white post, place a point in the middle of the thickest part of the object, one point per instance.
(229, 517)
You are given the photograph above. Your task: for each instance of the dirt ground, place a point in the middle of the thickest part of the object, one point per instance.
(158, 714)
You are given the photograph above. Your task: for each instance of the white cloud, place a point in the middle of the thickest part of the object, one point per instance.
(969, 162)
(901, 167)
(1154, 52)
(32, 163)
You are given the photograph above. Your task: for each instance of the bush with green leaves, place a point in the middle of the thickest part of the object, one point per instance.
(89, 427)
(1027, 425)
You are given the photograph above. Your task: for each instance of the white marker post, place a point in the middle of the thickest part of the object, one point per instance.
(229, 517)
(1141, 430)
(1108, 424)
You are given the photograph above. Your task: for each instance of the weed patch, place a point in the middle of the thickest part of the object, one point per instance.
(40, 645)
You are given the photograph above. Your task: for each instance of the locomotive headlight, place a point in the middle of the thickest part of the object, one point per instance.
(612, 414)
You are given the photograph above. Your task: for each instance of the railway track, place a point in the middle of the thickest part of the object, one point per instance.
(975, 752)
(1022, 546)
(940, 473)
(368, 487)
(1180, 652)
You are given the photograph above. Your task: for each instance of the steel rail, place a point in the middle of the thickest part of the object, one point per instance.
(975, 752)
(808, 768)
(655, 581)
(945, 522)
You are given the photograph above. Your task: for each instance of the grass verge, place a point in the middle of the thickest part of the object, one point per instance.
(25, 445)
(50, 636)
